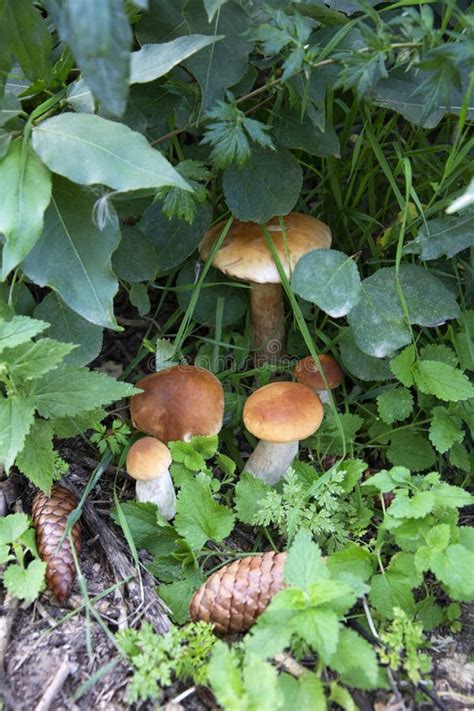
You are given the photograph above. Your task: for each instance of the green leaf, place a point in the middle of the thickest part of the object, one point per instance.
(395, 405)
(19, 330)
(401, 366)
(445, 429)
(449, 496)
(329, 279)
(451, 567)
(29, 361)
(442, 380)
(28, 37)
(296, 132)
(355, 660)
(304, 564)
(135, 259)
(9, 108)
(178, 595)
(71, 237)
(25, 583)
(16, 419)
(100, 39)
(146, 532)
(416, 506)
(459, 458)
(198, 517)
(71, 390)
(69, 327)
(393, 588)
(138, 295)
(444, 236)
(225, 678)
(260, 681)
(25, 192)
(438, 537)
(37, 458)
(155, 60)
(258, 192)
(12, 527)
(320, 628)
(351, 560)
(89, 149)
(329, 439)
(410, 450)
(363, 366)
(212, 6)
(440, 353)
(174, 240)
(211, 66)
(249, 492)
(306, 692)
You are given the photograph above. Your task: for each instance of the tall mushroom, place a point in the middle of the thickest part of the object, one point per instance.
(244, 255)
(308, 373)
(179, 403)
(148, 462)
(279, 414)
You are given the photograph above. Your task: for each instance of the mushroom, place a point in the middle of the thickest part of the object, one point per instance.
(308, 373)
(279, 414)
(244, 255)
(148, 462)
(179, 403)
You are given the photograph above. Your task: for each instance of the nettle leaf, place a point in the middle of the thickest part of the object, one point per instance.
(439, 352)
(411, 450)
(37, 460)
(296, 132)
(67, 391)
(198, 517)
(155, 60)
(444, 236)
(363, 366)
(9, 108)
(25, 583)
(304, 564)
(268, 185)
(249, 492)
(19, 329)
(91, 150)
(25, 192)
(72, 238)
(417, 506)
(445, 429)
(16, 419)
(174, 240)
(395, 405)
(329, 279)
(211, 66)
(100, 39)
(442, 380)
(401, 366)
(69, 327)
(31, 360)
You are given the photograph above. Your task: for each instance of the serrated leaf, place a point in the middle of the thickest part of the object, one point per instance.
(16, 419)
(449, 496)
(443, 236)
(445, 429)
(31, 360)
(410, 450)
(442, 380)
(198, 517)
(249, 492)
(329, 279)
(304, 564)
(417, 506)
(389, 591)
(155, 60)
(401, 366)
(25, 192)
(25, 583)
(89, 150)
(72, 237)
(439, 536)
(12, 527)
(37, 458)
(440, 353)
(355, 660)
(19, 330)
(395, 405)
(450, 567)
(70, 390)
(100, 39)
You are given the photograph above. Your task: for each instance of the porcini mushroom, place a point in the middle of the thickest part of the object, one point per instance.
(279, 414)
(179, 403)
(244, 255)
(308, 373)
(148, 462)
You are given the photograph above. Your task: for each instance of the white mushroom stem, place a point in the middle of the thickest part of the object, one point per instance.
(159, 491)
(268, 322)
(271, 460)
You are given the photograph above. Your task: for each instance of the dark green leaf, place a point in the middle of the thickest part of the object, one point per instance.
(28, 37)
(16, 419)
(9, 108)
(198, 517)
(360, 364)
(295, 132)
(329, 279)
(215, 287)
(410, 450)
(444, 236)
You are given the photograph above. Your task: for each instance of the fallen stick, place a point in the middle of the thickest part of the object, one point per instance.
(55, 686)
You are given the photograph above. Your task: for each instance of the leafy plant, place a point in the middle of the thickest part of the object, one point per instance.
(23, 571)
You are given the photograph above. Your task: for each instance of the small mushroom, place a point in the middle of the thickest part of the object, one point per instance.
(279, 414)
(244, 255)
(308, 373)
(179, 403)
(148, 462)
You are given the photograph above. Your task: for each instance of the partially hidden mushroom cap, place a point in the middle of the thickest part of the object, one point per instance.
(147, 459)
(179, 403)
(283, 412)
(244, 254)
(307, 372)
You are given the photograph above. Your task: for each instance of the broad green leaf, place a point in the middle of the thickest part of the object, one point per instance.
(69, 327)
(329, 279)
(439, 352)
(249, 492)
(25, 192)
(5, 140)
(260, 681)
(19, 330)
(37, 458)
(213, 6)
(139, 298)
(355, 660)
(395, 405)
(198, 517)
(31, 360)
(225, 678)
(449, 496)
(444, 236)
(155, 60)
(80, 97)
(444, 381)
(9, 108)
(71, 237)
(211, 66)
(70, 390)
(295, 132)
(215, 287)
(451, 567)
(89, 150)
(363, 366)
(268, 185)
(25, 583)
(177, 595)
(12, 527)
(28, 37)
(142, 521)
(417, 506)
(100, 39)
(389, 591)
(135, 259)
(445, 429)
(174, 240)
(319, 628)
(16, 419)
(401, 366)
(439, 536)
(460, 458)
(328, 439)
(304, 564)
(351, 560)
(411, 450)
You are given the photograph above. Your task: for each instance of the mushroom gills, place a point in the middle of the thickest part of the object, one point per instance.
(159, 491)
(271, 460)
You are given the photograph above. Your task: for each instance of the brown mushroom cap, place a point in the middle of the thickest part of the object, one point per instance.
(283, 412)
(179, 403)
(307, 372)
(244, 254)
(147, 459)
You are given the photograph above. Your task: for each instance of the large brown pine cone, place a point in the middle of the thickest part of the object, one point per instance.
(234, 596)
(50, 517)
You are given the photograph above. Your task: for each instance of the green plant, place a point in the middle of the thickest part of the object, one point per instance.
(403, 639)
(23, 571)
(113, 438)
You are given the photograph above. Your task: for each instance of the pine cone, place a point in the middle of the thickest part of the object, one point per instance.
(50, 517)
(234, 596)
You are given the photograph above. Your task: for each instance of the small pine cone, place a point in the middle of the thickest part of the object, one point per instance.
(234, 596)
(50, 517)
